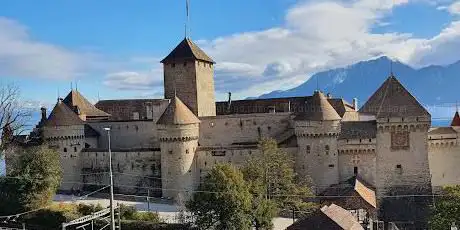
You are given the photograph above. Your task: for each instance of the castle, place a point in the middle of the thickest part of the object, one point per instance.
(167, 145)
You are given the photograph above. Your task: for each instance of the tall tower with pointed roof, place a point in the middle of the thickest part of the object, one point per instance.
(189, 75)
(402, 165)
(178, 130)
(317, 128)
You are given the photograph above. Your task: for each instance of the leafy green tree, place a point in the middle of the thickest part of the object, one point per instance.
(32, 182)
(223, 201)
(446, 209)
(271, 176)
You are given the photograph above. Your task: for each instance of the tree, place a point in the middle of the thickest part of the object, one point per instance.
(13, 116)
(32, 182)
(446, 209)
(271, 176)
(222, 201)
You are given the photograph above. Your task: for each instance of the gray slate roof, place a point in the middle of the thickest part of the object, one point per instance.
(358, 130)
(177, 113)
(393, 100)
(75, 99)
(62, 115)
(123, 109)
(319, 109)
(187, 50)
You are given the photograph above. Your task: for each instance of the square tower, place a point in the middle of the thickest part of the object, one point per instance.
(189, 75)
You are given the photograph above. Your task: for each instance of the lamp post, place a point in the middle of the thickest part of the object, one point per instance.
(112, 215)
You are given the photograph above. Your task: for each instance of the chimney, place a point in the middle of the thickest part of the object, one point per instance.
(43, 109)
(229, 104)
(149, 110)
(355, 103)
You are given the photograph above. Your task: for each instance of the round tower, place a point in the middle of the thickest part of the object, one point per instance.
(178, 130)
(317, 129)
(65, 132)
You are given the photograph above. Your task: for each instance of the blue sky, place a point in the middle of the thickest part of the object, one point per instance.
(113, 47)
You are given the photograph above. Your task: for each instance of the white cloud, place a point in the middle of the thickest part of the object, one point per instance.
(128, 80)
(317, 36)
(22, 56)
(454, 8)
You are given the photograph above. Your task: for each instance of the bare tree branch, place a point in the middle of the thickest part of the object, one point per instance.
(13, 115)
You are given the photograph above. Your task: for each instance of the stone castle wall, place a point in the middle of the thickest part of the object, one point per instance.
(133, 170)
(444, 157)
(359, 154)
(205, 89)
(243, 128)
(127, 134)
(402, 155)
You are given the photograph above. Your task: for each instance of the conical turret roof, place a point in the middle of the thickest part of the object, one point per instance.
(319, 109)
(62, 115)
(177, 113)
(393, 100)
(187, 50)
(74, 98)
(456, 120)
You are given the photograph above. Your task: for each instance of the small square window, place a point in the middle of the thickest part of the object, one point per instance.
(170, 152)
(173, 65)
(65, 150)
(331, 166)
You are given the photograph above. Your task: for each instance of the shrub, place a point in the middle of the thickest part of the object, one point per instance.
(85, 209)
(147, 216)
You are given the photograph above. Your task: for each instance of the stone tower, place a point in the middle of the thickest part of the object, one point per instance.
(402, 151)
(317, 129)
(189, 74)
(178, 130)
(65, 131)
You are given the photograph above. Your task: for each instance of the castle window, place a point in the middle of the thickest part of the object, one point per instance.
(186, 151)
(75, 149)
(370, 140)
(269, 128)
(65, 150)
(170, 152)
(402, 119)
(331, 166)
(355, 170)
(327, 149)
(308, 149)
(205, 163)
(399, 169)
(360, 140)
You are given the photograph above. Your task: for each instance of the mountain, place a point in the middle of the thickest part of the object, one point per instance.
(430, 85)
